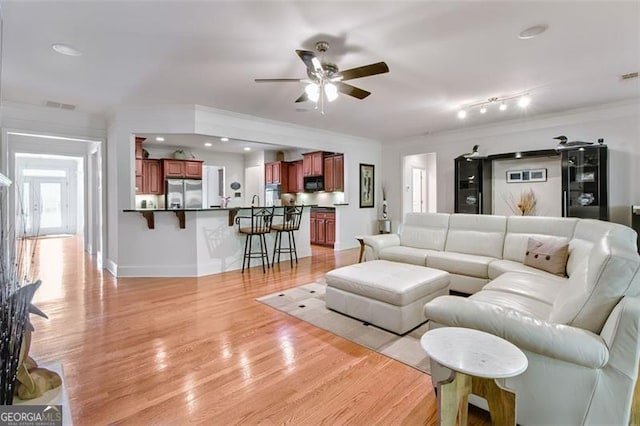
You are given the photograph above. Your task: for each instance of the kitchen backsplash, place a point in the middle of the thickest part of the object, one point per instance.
(320, 198)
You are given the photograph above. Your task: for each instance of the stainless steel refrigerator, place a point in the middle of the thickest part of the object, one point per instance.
(184, 194)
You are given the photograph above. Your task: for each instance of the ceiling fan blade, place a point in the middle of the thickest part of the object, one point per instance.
(365, 71)
(350, 90)
(302, 98)
(310, 60)
(279, 80)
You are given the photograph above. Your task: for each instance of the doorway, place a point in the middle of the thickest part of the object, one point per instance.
(418, 190)
(420, 183)
(57, 187)
(49, 191)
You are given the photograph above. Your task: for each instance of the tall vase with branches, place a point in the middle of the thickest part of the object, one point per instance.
(16, 293)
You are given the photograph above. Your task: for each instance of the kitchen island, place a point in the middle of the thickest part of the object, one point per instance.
(191, 242)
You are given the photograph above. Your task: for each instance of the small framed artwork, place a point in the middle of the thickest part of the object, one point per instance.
(533, 175)
(367, 190)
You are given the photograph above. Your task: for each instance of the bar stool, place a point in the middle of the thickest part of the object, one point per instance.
(258, 224)
(291, 217)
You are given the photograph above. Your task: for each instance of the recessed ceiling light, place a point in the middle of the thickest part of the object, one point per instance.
(159, 139)
(462, 114)
(208, 144)
(483, 110)
(502, 107)
(246, 148)
(532, 32)
(65, 49)
(224, 139)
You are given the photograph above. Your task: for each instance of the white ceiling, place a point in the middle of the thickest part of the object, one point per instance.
(441, 55)
(195, 141)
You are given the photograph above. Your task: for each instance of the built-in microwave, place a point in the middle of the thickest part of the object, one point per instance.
(313, 184)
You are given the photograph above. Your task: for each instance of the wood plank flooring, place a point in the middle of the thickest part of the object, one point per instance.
(202, 350)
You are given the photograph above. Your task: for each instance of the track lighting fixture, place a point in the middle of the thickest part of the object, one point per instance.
(503, 104)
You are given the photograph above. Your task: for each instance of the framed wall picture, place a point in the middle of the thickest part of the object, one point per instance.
(532, 175)
(367, 189)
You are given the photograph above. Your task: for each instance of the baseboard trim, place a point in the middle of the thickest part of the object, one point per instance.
(112, 267)
(158, 271)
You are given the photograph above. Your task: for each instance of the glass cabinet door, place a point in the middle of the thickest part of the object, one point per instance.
(468, 186)
(584, 193)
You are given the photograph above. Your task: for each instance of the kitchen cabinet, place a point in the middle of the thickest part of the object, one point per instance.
(473, 185)
(313, 164)
(173, 168)
(334, 173)
(277, 172)
(323, 228)
(138, 152)
(295, 182)
(191, 169)
(584, 182)
(139, 185)
(152, 182)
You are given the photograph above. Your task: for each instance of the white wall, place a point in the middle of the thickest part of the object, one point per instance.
(618, 124)
(548, 194)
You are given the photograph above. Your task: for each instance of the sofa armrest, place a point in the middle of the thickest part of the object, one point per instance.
(557, 341)
(379, 242)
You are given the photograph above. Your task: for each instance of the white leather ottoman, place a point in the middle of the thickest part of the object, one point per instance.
(390, 295)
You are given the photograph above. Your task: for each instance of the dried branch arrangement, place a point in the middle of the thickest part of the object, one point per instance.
(524, 205)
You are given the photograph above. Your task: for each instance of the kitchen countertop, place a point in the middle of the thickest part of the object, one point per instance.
(209, 209)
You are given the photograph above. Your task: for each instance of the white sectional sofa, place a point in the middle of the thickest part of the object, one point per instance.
(580, 332)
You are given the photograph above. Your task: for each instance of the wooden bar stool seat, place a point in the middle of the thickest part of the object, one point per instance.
(291, 217)
(258, 224)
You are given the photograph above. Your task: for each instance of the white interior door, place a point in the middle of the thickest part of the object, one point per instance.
(45, 206)
(419, 190)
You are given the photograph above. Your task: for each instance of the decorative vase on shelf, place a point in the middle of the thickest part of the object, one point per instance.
(385, 209)
(179, 155)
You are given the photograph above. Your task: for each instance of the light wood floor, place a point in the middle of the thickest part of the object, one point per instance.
(176, 351)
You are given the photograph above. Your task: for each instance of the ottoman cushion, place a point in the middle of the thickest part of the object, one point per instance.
(391, 282)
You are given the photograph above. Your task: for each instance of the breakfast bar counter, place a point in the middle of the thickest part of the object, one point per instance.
(190, 242)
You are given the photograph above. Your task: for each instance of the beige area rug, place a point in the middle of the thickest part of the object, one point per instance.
(306, 302)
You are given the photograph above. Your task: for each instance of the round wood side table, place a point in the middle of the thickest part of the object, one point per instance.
(476, 359)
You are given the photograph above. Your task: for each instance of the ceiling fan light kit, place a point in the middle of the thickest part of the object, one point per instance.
(325, 80)
(524, 100)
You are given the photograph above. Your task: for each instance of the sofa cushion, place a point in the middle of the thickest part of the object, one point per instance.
(587, 233)
(521, 228)
(517, 302)
(460, 263)
(415, 256)
(499, 267)
(537, 287)
(482, 235)
(550, 256)
(425, 231)
(593, 291)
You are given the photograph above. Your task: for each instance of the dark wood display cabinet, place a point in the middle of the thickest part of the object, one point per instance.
(472, 185)
(584, 182)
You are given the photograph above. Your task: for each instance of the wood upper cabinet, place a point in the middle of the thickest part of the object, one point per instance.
(277, 172)
(173, 168)
(139, 141)
(313, 164)
(152, 182)
(334, 173)
(139, 184)
(193, 169)
(295, 182)
(299, 177)
(138, 167)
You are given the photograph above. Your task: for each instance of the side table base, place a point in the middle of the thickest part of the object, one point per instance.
(453, 400)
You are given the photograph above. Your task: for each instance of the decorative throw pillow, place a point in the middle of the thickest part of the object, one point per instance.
(550, 256)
